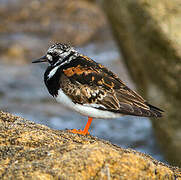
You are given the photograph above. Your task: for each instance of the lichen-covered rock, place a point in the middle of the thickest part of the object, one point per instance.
(28, 27)
(148, 34)
(32, 151)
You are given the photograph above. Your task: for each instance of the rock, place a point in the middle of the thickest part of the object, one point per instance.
(148, 34)
(29, 150)
(32, 26)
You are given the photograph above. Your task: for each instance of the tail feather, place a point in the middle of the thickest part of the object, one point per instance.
(156, 111)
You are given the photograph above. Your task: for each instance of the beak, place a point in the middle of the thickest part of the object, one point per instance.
(42, 59)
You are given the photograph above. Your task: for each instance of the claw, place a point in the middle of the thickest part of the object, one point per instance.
(79, 131)
(85, 131)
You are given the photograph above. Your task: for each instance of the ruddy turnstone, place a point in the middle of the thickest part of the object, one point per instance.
(81, 84)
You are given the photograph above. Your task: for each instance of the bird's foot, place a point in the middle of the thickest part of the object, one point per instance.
(79, 131)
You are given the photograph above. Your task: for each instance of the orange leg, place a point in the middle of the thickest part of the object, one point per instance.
(85, 131)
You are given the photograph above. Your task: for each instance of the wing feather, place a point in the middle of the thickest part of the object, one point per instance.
(91, 83)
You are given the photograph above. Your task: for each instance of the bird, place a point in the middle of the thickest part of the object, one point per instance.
(89, 88)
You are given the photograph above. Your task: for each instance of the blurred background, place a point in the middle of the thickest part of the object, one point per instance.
(137, 39)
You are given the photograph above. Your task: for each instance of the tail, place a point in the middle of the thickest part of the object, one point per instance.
(156, 112)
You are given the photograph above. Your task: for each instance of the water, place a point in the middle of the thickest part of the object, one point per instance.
(23, 93)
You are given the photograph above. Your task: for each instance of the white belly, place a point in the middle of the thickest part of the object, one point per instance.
(85, 110)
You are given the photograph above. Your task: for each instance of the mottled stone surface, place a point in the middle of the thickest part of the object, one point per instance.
(29, 27)
(33, 151)
(148, 34)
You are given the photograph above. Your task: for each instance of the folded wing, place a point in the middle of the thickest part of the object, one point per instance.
(91, 84)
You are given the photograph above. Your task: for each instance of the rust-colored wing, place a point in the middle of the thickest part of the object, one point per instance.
(89, 83)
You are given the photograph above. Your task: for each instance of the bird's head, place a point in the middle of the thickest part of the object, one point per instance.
(57, 54)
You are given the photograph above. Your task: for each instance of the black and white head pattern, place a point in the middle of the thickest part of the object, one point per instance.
(60, 53)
